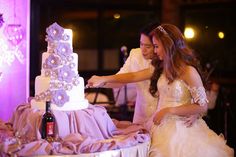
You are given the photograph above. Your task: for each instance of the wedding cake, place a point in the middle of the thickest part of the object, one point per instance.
(81, 129)
(59, 81)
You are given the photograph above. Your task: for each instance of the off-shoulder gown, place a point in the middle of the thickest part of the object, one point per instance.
(172, 138)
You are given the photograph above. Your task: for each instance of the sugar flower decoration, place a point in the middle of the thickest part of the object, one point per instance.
(59, 66)
(66, 37)
(54, 32)
(66, 74)
(59, 97)
(52, 61)
(63, 49)
(75, 80)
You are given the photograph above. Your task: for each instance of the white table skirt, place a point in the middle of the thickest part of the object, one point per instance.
(140, 150)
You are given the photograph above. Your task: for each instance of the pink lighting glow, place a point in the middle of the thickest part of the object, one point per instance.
(14, 56)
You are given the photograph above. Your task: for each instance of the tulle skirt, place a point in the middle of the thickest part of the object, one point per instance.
(173, 139)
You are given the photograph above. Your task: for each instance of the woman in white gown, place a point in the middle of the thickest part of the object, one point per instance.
(176, 79)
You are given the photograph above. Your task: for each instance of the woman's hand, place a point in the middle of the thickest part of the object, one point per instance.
(189, 120)
(160, 115)
(95, 81)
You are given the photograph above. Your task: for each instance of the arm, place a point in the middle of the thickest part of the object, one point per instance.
(132, 60)
(199, 106)
(113, 85)
(97, 81)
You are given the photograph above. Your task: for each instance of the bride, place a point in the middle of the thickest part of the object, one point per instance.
(176, 78)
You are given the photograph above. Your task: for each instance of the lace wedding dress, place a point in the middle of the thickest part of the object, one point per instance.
(172, 138)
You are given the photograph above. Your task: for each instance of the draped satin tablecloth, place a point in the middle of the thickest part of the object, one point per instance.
(85, 133)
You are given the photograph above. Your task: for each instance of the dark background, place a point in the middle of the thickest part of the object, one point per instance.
(94, 28)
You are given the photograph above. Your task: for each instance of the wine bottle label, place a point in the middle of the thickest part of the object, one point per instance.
(50, 128)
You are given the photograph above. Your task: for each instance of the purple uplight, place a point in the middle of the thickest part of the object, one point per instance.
(14, 65)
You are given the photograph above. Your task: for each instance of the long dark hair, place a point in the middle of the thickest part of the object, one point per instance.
(177, 54)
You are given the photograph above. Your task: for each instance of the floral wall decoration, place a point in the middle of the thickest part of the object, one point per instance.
(1, 23)
(13, 38)
(14, 55)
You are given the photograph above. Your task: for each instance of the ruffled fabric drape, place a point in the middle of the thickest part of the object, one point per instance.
(86, 131)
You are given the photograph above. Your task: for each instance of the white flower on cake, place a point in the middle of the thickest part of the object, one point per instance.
(72, 65)
(68, 87)
(42, 96)
(56, 85)
(75, 80)
(51, 46)
(70, 58)
(66, 37)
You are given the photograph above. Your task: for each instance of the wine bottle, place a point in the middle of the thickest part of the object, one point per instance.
(48, 124)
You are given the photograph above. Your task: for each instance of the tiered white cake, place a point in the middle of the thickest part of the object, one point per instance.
(59, 81)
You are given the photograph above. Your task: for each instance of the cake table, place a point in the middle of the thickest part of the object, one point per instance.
(85, 133)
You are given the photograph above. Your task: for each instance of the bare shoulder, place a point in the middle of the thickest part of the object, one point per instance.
(191, 76)
(190, 70)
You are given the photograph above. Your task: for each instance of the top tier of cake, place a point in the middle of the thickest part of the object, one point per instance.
(59, 50)
(56, 34)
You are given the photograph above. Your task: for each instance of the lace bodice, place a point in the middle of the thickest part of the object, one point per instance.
(178, 93)
(173, 132)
